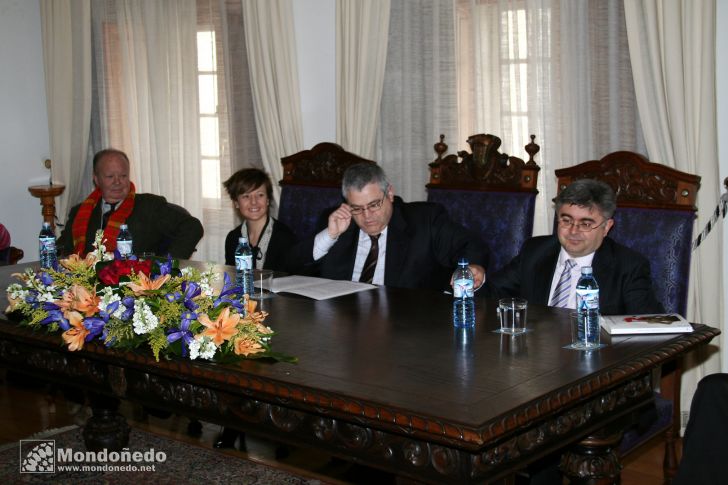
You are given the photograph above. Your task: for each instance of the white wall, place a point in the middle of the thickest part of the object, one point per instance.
(722, 101)
(23, 122)
(316, 49)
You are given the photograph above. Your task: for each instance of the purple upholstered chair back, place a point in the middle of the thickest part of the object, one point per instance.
(670, 258)
(655, 216)
(312, 184)
(491, 194)
(302, 206)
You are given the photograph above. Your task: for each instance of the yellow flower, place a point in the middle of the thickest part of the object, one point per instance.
(223, 328)
(246, 346)
(75, 263)
(145, 284)
(79, 298)
(75, 336)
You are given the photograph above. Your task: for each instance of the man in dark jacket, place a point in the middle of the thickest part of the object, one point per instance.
(584, 212)
(156, 226)
(392, 243)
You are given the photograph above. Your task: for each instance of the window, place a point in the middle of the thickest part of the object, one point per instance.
(209, 120)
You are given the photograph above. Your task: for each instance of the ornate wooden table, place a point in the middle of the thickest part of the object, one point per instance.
(384, 379)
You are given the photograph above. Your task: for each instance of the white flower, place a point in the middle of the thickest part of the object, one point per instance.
(144, 320)
(17, 292)
(203, 347)
(46, 295)
(107, 298)
(208, 349)
(194, 347)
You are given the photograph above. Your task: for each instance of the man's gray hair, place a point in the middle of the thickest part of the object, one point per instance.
(359, 175)
(588, 193)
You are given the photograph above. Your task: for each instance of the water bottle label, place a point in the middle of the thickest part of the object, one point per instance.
(243, 262)
(463, 288)
(47, 244)
(587, 299)
(124, 247)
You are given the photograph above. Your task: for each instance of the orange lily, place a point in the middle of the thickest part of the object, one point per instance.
(75, 336)
(223, 328)
(247, 346)
(75, 263)
(145, 284)
(79, 298)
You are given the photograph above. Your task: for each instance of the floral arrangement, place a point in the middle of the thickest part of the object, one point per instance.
(129, 303)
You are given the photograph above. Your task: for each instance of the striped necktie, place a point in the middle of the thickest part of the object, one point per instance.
(563, 287)
(370, 264)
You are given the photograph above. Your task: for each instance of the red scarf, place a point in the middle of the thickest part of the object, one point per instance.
(117, 218)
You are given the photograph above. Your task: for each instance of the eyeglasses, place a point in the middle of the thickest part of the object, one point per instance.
(371, 206)
(584, 226)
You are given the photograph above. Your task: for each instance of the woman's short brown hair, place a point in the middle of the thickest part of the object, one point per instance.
(247, 179)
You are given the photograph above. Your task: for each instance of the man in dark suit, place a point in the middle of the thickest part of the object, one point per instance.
(407, 245)
(156, 226)
(705, 447)
(584, 212)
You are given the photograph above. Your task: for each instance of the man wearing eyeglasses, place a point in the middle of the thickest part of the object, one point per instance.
(392, 243)
(584, 213)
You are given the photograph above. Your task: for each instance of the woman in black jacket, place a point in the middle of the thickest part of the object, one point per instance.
(251, 191)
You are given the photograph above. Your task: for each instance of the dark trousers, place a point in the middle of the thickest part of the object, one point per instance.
(705, 445)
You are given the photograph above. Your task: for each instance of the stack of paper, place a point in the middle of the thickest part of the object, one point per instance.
(317, 288)
(654, 323)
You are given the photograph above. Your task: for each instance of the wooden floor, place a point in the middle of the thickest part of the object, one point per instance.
(27, 409)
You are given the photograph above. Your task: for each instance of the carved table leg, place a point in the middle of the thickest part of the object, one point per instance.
(106, 428)
(593, 461)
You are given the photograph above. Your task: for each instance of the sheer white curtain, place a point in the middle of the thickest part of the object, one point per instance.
(66, 26)
(269, 37)
(148, 101)
(362, 27)
(419, 98)
(672, 45)
(557, 69)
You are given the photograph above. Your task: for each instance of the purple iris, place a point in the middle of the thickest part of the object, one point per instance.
(95, 326)
(190, 290)
(32, 299)
(128, 303)
(166, 267)
(45, 278)
(56, 316)
(183, 332)
(230, 294)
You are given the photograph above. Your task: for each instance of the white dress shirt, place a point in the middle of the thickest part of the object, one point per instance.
(322, 243)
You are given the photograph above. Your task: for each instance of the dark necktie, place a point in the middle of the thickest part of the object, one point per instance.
(370, 264)
(106, 216)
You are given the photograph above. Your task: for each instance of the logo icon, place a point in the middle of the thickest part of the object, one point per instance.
(37, 456)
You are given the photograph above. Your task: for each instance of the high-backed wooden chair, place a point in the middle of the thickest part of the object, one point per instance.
(490, 193)
(10, 255)
(311, 184)
(655, 216)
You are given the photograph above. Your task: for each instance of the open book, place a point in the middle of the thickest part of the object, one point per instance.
(317, 288)
(654, 323)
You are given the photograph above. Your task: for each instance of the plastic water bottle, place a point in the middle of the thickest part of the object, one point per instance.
(47, 247)
(124, 242)
(244, 266)
(463, 305)
(587, 308)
